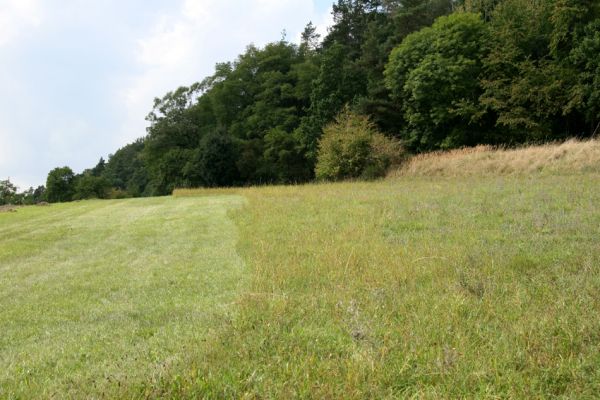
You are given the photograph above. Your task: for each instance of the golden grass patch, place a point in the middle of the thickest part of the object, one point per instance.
(567, 157)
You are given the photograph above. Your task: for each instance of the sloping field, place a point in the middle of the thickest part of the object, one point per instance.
(481, 287)
(107, 299)
(476, 286)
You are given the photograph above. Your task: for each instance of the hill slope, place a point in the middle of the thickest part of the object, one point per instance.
(477, 286)
(106, 299)
(431, 287)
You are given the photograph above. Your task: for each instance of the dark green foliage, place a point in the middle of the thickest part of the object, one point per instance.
(585, 56)
(530, 81)
(353, 58)
(168, 171)
(339, 82)
(396, 20)
(60, 185)
(256, 102)
(8, 192)
(283, 157)
(38, 195)
(99, 169)
(213, 163)
(173, 134)
(310, 39)
(434, 73)
(433, 77)
(351, 20)
(516, 85)
(483, 7)
(90, 186)
(125, 170)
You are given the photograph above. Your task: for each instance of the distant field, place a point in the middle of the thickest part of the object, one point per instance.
(480, 286)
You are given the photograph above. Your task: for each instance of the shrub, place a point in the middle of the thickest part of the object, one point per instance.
(351, 147)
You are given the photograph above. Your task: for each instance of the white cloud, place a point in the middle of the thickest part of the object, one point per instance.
(13, 144)
(16, 16)
(13, 152)
(323, 23)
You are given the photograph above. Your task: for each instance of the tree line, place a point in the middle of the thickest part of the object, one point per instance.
(431, 74)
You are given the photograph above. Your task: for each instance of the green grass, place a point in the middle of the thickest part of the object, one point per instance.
(109, 299)
(416, 288)
(405, 288)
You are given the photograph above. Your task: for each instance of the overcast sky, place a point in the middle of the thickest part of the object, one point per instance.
(77, 77)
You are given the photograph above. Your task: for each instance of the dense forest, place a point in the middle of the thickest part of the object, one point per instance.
(431, 74)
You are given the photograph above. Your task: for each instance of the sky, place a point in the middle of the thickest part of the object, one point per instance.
(78, 77)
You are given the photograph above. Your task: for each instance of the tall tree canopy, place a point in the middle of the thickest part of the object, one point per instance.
(433, 73)
(60, 185)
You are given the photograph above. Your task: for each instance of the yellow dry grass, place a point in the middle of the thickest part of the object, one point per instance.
(567, 157)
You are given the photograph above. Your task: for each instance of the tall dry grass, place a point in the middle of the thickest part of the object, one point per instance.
(567, 157)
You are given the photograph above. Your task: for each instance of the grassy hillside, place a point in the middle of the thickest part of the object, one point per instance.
(480, 286)
(416, 287)
(109, 299)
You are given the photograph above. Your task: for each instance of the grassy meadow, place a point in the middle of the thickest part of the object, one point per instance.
(109, 299)
(422, 285)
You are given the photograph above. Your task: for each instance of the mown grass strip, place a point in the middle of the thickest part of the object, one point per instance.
(110, 298)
